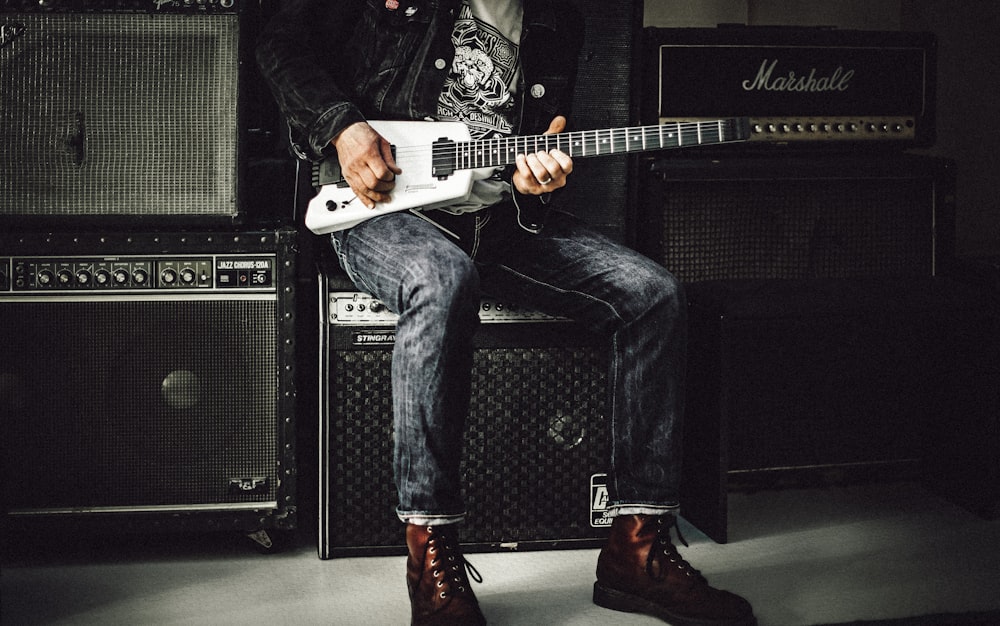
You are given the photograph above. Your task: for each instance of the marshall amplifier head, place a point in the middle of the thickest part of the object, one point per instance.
(805, 87)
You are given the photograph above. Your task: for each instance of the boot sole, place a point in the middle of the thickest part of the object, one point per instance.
(628, 603)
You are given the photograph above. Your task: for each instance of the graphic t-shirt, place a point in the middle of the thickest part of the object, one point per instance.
(481, 88)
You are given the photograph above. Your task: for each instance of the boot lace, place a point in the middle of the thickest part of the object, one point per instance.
(663, 555)
(451, 570)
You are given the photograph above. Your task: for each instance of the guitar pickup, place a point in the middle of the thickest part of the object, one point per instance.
(443, 158)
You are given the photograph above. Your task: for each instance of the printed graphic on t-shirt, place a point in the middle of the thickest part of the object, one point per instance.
(477, 91)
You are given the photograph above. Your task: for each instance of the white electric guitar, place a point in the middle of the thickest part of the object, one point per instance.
(440, 161)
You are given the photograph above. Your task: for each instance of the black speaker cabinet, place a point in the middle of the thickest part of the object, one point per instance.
(122, 113)
(830, 381)
(825, 345)
(147, 380)
(603, 187)
(816, 216)
(536, 442)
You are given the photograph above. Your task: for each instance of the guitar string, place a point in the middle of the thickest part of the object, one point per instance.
(701, 132)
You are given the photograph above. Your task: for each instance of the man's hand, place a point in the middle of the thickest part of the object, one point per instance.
(366, 163)
(542, 172)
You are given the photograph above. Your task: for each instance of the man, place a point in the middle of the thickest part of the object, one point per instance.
(503, 69)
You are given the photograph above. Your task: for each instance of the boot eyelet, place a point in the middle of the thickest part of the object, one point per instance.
(443, 595)
(440, 584)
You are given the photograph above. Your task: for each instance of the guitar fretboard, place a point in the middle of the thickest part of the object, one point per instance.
(501, 151)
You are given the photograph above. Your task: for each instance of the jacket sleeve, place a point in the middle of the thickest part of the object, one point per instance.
(303, 54)
(554, 67)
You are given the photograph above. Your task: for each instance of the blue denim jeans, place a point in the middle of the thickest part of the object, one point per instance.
(434, 282)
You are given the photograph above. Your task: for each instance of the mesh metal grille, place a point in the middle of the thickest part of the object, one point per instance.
(821, 228)
(131, 114)
(535, 435)
(134, 404)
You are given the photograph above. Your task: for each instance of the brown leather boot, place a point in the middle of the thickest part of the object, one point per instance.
(436, 578)
(640, 571)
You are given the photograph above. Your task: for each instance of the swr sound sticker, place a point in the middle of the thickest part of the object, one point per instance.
(599, 514)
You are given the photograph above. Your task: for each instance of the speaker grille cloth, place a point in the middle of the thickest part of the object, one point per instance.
(132, 114)
(849, 391)
(536, 433)
(796, 228)
(137, 403)
(598, 192)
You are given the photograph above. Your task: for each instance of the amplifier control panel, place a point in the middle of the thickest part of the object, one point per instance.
(798, 129)
(108, 6)
(356, 308)
(72, 275)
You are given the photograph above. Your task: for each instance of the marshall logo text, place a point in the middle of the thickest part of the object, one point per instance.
(766, 81)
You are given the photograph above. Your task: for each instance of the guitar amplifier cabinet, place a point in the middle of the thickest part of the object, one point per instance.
(830, 216)
(117, 110)
(147, 380)
(827, 335)
(536, 441)
(824, 381)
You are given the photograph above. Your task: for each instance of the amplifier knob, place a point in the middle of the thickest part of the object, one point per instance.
(45, 277)
(188, 275)
(140, 277)
(120, 276)
(102, 277)
(168, 276)
(83, 277)
(64, 277)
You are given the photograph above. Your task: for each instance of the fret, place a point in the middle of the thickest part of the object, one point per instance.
(499, 151)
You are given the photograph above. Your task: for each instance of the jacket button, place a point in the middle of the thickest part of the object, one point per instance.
(440, 64)
(537, 90)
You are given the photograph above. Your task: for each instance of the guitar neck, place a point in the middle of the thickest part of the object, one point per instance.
(497, 152)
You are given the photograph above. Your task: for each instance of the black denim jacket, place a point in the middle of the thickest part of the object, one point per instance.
(331, 63)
